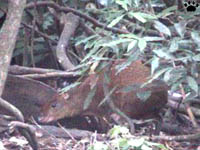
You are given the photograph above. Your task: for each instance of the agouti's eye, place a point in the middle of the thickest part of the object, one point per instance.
(53, 105)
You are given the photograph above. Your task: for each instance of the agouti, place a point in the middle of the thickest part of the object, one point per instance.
(128, 102)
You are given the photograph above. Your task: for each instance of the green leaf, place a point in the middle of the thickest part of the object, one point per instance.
(67, 88)
(155, 144)
(192, 83)
(149, 17)
(176, 85)
(190, 96)
(115, 21)
(178, 74)
(135, 56)
(122, 66)
(129, 36)
(115, 42)
(131, 45)
(136, 142)
(92, 51)
(98, 58)
(144, 95)
(181, 27)
(123, 3)
(86, 39)
(163, 53)
(167, 11)
(158, 74)
(107, 78)
(173, 46)
(117, 130)
(166, 77)
(196, 57)
(98, 145)
(142, 17)
(90, 44)
(142, 44)
(162, 28)
(89, 98)
(196, 38)
(154, 64)
(153, 38)
(106, 97)
(138, 16)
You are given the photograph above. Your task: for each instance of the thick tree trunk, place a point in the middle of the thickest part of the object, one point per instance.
(8, 34)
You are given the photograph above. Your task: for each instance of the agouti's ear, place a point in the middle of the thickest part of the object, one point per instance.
(65, 96)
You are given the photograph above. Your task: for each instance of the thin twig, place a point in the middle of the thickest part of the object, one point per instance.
(78, 13)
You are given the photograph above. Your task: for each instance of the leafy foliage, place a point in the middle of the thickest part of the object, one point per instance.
(163, 35)
(121, 139)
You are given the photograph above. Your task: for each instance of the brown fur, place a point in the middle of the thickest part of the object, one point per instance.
(127, 102)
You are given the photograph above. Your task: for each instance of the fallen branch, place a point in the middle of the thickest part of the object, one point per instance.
(39, 73)
(51, 75)
(71, 22)
(21, 70)
(174, 105)
(179, 138)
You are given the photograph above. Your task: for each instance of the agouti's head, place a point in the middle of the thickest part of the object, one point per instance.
(53, 110)
(68, 104)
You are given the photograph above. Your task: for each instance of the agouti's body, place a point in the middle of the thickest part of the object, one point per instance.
(127, 102)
